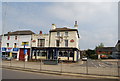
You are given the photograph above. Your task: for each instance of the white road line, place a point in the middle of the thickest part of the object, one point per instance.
(94, 64)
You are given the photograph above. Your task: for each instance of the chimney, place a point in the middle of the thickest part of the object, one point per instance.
(40, 33)
(53, 26)
(76, 26)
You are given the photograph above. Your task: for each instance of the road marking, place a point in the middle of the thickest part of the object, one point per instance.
(94, 64)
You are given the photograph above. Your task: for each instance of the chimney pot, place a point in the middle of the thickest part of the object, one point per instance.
(40, 32)
(53, 26)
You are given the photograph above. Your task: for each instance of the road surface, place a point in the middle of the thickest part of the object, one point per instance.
(17, 75)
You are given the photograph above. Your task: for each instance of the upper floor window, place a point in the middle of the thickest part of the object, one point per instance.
(15, 45)
(41, 42)
(66, 43)
(66, 33)
(58, 33)
(8, 38)
(15, 37)
(7, 44)
(57, 43)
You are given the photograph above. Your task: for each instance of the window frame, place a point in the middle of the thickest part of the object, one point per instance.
(66, 45)
(66, 33)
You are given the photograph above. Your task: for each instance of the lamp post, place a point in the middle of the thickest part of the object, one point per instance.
(25, 52)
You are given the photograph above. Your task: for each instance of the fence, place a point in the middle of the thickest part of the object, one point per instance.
(93, 67)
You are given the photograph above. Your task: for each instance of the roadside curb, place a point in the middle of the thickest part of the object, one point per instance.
(61, 73)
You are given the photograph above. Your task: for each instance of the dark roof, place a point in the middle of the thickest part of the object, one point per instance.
(63, 29)
(105, 49)
(23, 32)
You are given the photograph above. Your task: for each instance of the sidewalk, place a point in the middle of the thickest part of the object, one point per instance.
(64, 69)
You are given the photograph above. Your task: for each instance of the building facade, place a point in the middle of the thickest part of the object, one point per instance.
(14, 44)
(60, 43)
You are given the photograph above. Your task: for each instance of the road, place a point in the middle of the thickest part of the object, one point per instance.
(16, 74)
(92, 67)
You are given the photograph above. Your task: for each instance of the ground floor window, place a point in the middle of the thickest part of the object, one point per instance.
(63, 54)
(71, 54)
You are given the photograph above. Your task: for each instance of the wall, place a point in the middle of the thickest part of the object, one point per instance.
(38, 36)
(71, 35)
(20, 39)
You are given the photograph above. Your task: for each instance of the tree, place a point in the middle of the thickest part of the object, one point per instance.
(99, 46)
(91, 54)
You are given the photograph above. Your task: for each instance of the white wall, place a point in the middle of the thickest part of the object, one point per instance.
(20, 39)
(38, 36)
(71, 35)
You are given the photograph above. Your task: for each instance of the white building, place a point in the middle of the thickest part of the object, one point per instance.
(14, 44)
(61, 43)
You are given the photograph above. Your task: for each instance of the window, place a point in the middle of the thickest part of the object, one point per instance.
(8, 38)
(71, 54)
(66, 33)
(15, 37)
(58, 33)
(66, 43)
(60, 53)
(57, 43)
(65, 54)
(15, 45)
(7, 44)
(41, 42)
(43, 53)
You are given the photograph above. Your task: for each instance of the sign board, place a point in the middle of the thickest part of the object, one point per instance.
(15, 49)
(25, 51)
(25, 43)
(9, 50)
(3, 49)
(71, 40)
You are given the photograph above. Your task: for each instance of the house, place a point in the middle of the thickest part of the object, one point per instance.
(105, 52)
(60, 43)
(40, 42)
(14, 44)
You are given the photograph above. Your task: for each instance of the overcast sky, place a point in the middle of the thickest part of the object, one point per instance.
(97, 21)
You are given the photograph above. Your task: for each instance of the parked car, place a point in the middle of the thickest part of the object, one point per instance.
(84, 59)
(5, 57)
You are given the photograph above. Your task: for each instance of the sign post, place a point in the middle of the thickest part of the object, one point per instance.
(25, 53)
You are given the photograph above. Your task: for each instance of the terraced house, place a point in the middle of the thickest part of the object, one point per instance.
(60, 43)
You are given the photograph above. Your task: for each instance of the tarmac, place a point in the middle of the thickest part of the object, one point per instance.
(61, 73)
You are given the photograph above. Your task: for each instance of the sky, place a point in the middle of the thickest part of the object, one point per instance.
(97, 21)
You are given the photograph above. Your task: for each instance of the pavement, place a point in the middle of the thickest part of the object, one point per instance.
(72, 69)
